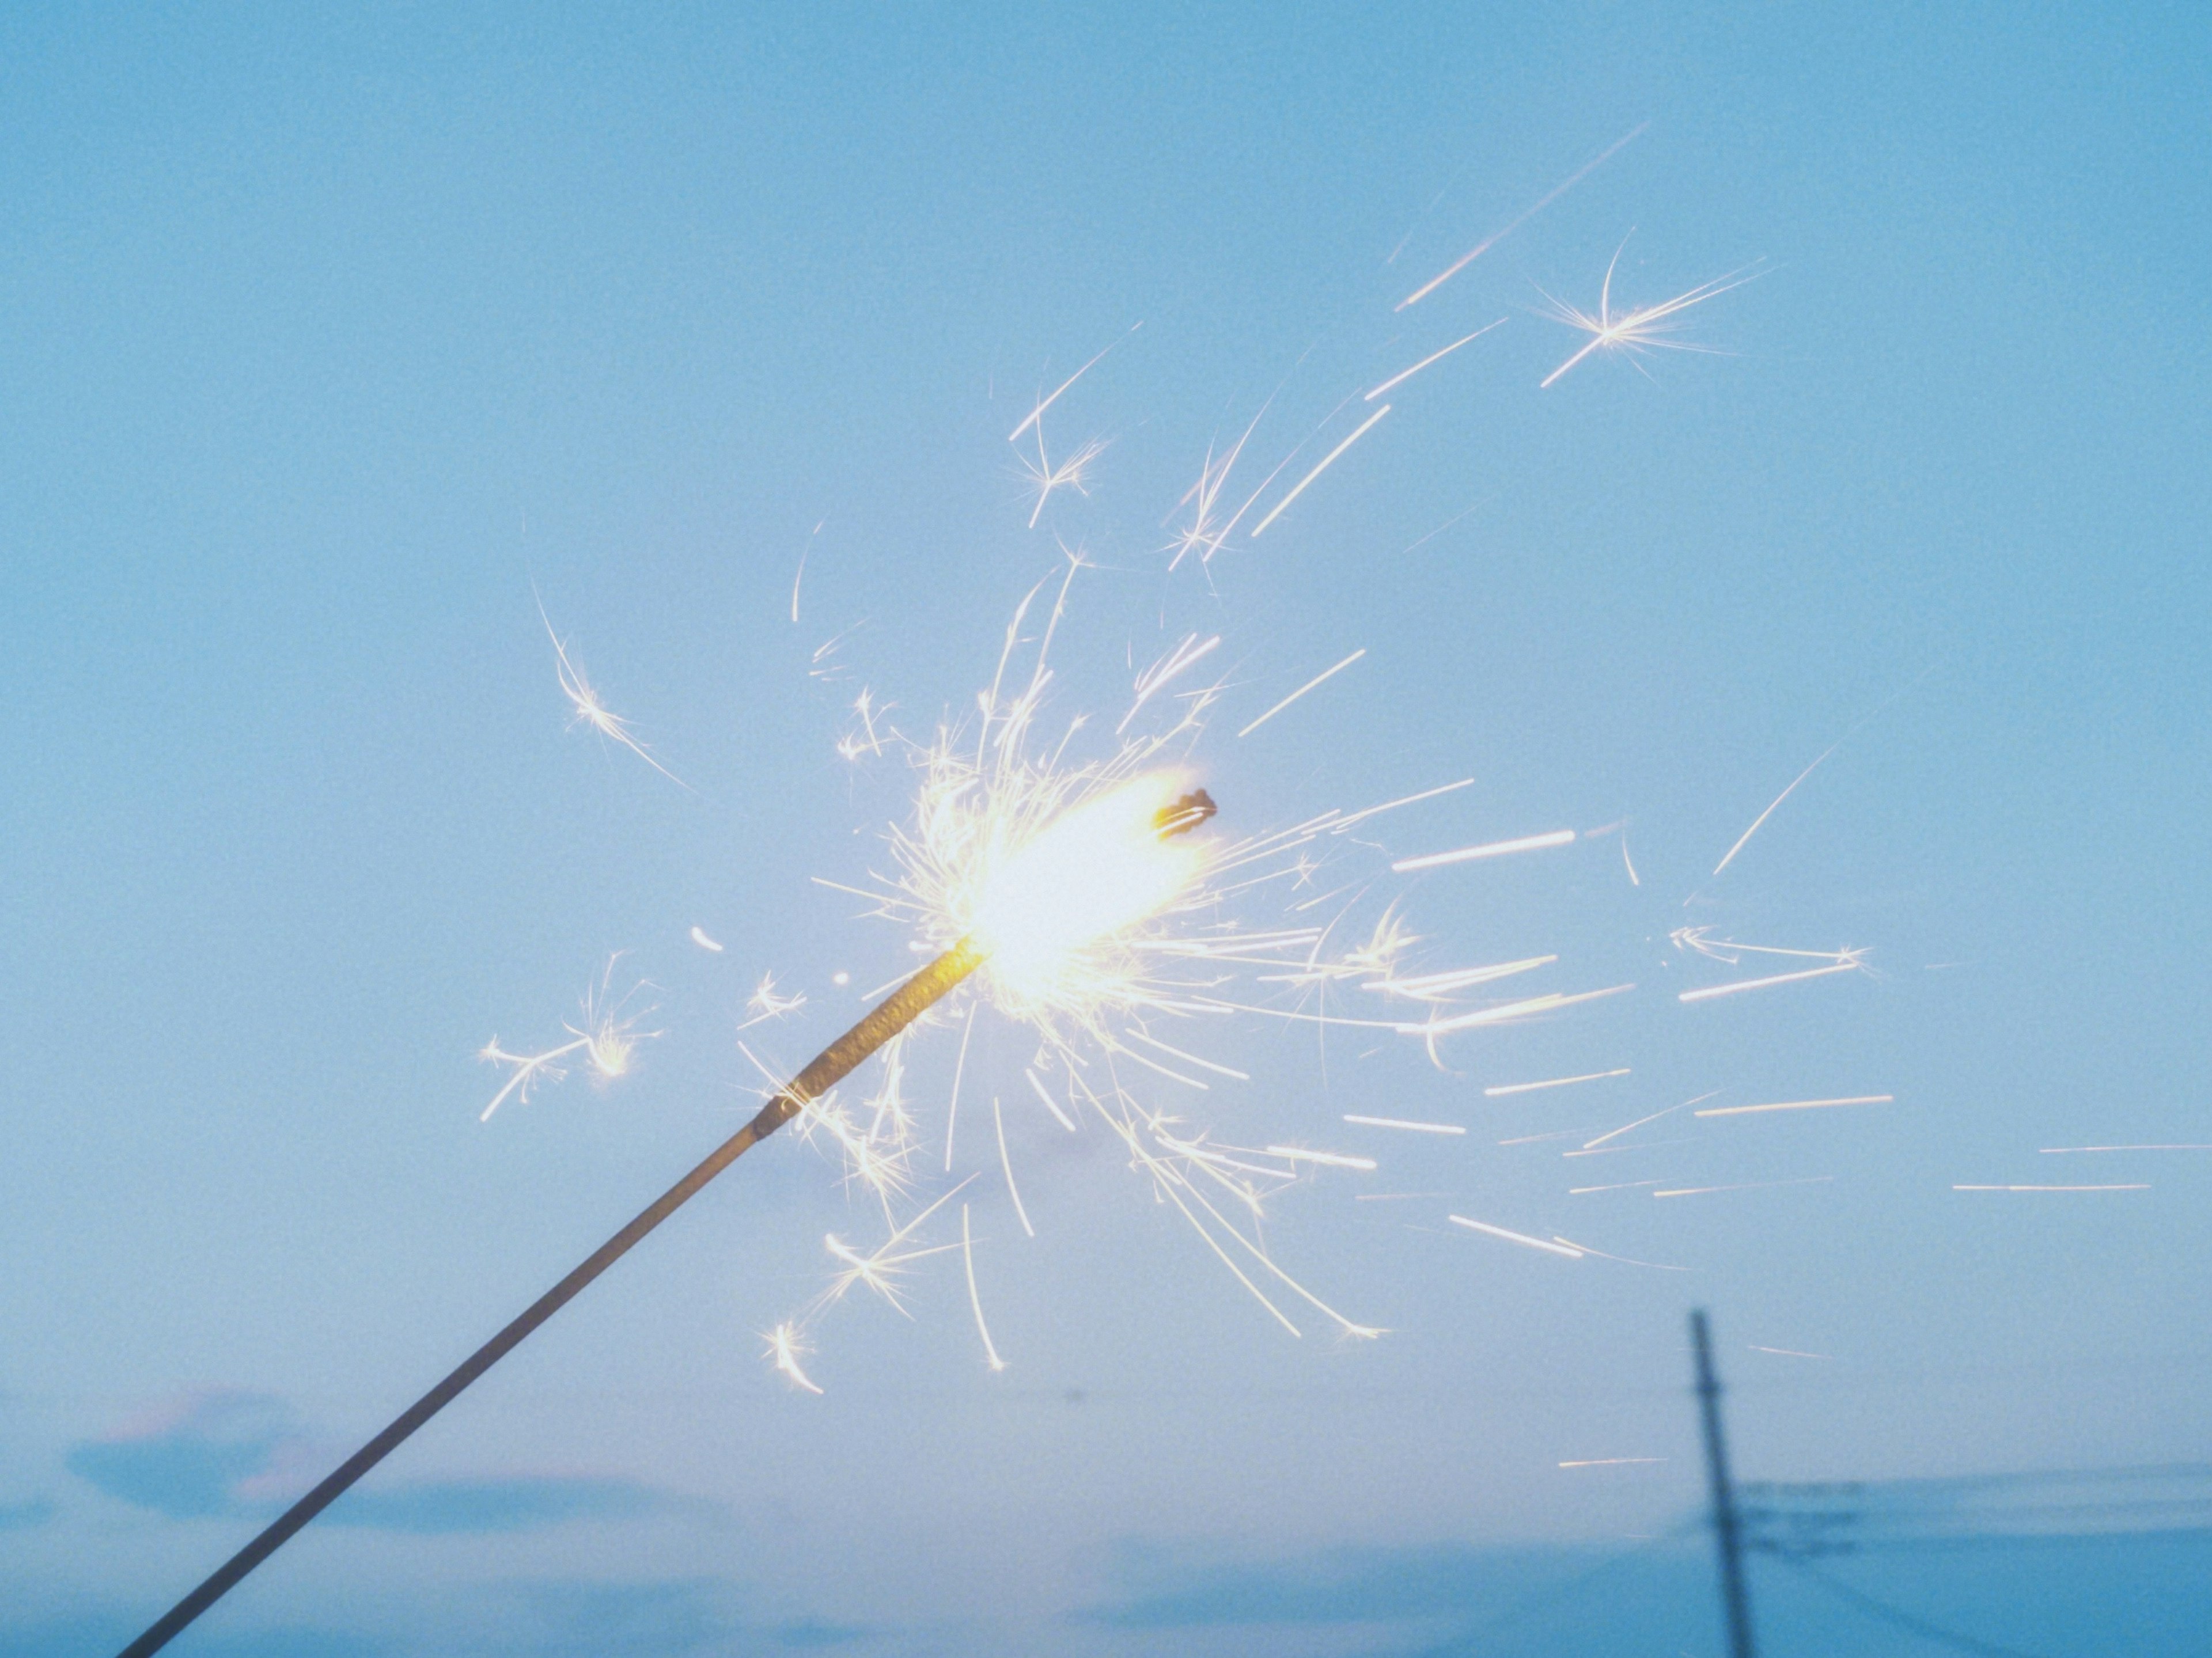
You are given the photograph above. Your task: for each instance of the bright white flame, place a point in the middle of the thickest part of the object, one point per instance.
(1098, 868)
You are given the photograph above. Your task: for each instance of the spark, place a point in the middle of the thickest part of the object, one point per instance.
(1435, 986)
(1162, 673)
(590, 711)
(1700, 939)
(1654, 1265)
(1406, 374)
(1401, 1122)
(1787, 1353)
(1326, 673)
(1628, 863)
(1333, 1159)
(1035, 413)
(1510, 1010)
(866, 738)
(607, 1038)
(799, 575)
(1550, 1082)
(764, 1003)
(1747, 1185)
(784, 1346)
(1007, 1163)
(1590, 1145)
(975, 1300)
(699, 938)
(1856, 964)
(1610, 1151)
(1203, 536)
(1611, 1461)
(1072, 472)
(1299, 487)
(2137, 1186)
(2060, 1151)
(879, 1269)
(1050, 1103)
(1344, 823)
(1488, 849)
(1620, 1186)
(823, 664)
(1645, 328)
(1794, 1105)
(1421, 540)
(1769, 812)
(1192, 1059)
(1492, 241)
(1569, 1250)
(959, 1068)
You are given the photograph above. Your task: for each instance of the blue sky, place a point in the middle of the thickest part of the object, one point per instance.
(329, 350)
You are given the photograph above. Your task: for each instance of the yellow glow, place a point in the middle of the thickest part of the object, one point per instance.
(1097, 869)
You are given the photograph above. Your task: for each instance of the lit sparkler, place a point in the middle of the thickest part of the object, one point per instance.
(1088, 900)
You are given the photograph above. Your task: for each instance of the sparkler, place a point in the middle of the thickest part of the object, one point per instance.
(1072, 897)
(1128, 845)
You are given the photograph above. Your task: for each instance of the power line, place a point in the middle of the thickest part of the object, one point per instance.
(1903, 1620)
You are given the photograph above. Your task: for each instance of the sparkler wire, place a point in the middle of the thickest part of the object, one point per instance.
(896, 1012)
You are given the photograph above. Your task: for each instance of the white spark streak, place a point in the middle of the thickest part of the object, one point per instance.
(1302, 691)
(1404, 375)
(1769, 812)
(1588, 1146)
(1552, 1082)
(1050, 1103)
(1492, 241)
(952, 1111)
(1794, 1105)
(975, 1300)
(1522, 1238)
(1157, 677)
(1030, 418)
(1611, 1461)
(699, 938)
(1488, 849)
(1007, 1163)
(1747, 1185)
(1510, 1010)
(1401, 1122)
(1334, 1160)
(1740, 985)
(2058, 1151)
(1326, 460)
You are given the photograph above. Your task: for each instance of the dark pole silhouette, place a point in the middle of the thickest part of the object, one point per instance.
(1728, 1532)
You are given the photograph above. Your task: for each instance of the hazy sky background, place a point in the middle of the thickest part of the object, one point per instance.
(324, 345)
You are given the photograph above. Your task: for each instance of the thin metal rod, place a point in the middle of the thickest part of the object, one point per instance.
(886, 1020)
(1727, 1531)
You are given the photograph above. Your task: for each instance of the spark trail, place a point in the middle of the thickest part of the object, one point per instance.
(1647, 328)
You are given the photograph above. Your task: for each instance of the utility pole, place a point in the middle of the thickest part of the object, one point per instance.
(1728, 1536)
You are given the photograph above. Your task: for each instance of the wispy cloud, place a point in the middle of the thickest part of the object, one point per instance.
(232, 1454)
